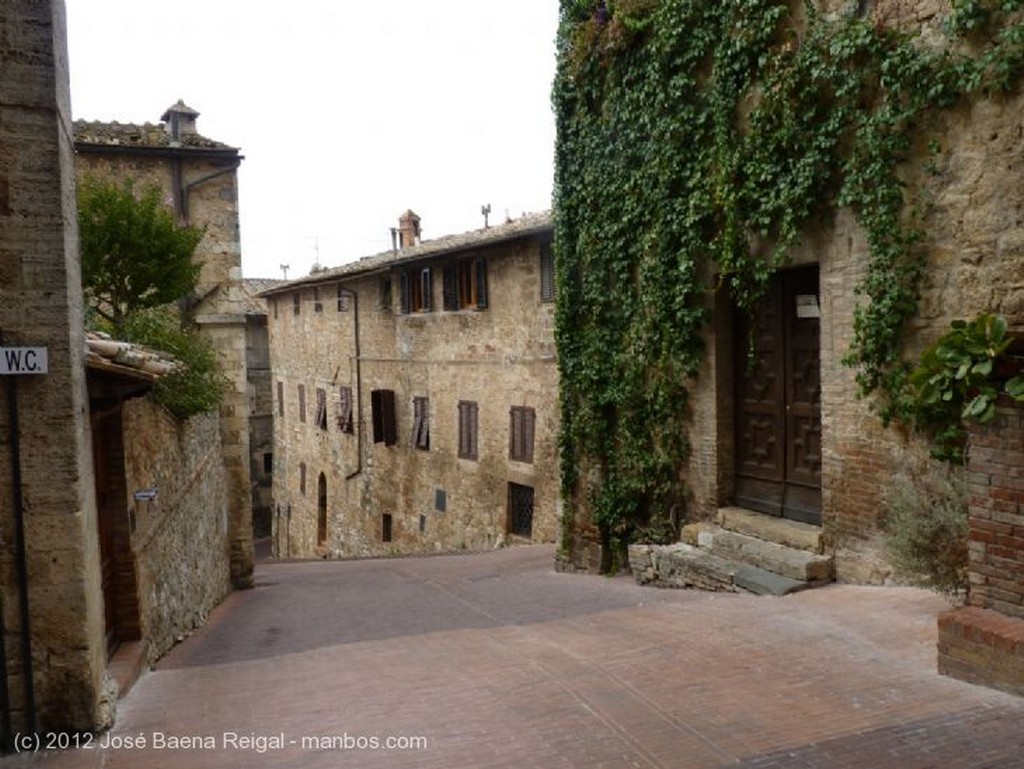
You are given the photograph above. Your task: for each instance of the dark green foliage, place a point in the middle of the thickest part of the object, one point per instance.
(135, 255)
(198, 386)
(696, 141)
(956, 381)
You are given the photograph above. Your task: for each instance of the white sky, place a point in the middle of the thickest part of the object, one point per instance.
(348, 112)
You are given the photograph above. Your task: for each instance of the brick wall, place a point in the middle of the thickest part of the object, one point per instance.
(984, 642)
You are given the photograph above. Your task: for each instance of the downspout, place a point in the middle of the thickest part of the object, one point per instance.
(359, 384)
(22, 563)
(187, 188)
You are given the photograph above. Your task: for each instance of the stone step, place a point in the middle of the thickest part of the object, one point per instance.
(771, 528)
(681, 566)
(755, 580)
(770, 556)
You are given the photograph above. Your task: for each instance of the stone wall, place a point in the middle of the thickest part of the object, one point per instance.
(41, 305)
(498, 357)
(179, 539)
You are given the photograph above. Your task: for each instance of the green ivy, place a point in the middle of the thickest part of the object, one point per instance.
(699, 139)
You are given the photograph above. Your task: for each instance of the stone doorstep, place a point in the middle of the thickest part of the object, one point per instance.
(786, 561)
(685, 566)
(770, 528)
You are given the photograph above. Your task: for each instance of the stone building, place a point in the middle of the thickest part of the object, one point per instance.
(415, 397)
(199, 178)
(790, 438)
(52, 651)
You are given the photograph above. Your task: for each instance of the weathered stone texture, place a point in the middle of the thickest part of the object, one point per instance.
(180, 539)
(499, 357)
(41, 305)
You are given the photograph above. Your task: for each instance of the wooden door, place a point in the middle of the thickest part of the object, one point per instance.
(778, 400)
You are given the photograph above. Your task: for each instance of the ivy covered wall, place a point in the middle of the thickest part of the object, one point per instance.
(701, 148)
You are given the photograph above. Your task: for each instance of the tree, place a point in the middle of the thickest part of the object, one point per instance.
(135, 255)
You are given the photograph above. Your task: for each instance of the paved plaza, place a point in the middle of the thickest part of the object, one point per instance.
(495, 660)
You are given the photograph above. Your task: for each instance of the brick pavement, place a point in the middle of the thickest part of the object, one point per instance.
(497, 661)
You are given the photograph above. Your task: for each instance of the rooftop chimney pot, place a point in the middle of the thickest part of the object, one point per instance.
(408, 230)
(180, 119)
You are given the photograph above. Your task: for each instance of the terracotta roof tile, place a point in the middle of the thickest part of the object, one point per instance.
(155, 135)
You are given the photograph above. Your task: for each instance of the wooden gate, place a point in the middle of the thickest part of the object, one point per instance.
(778, 400)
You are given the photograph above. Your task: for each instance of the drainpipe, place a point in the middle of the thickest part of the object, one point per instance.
(359, 385)
(187, 188)
(22, 564)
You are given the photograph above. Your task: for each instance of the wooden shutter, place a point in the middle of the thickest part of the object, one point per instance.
(547, 273)
(450, 287)
(529, 418)
(403, 292)
(345, 410)
(480, 274)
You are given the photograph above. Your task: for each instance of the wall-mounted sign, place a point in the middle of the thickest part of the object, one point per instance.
(807, 306)
(24, 360)
(145, 495)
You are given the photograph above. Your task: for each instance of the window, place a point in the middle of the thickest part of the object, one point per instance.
(521, 434)
(414, 288)
(520, 510)
(382, 406)
(321, 408)
(302, 478)
(385, 527)
(345, 409)
(268, 462)
(465, 285)
(468, 429)
(302, 403)
(421, 423)
(274, 303)
(385, 295)
(280, 399)
(547, 273)
(343, 299)
(318, 306)
(296, 303)
(321, 510)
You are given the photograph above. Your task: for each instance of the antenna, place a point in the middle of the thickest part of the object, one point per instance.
(485, 210)
(284, 269)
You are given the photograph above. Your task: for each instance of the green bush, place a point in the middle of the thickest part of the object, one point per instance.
(926, 531)
(198, 386)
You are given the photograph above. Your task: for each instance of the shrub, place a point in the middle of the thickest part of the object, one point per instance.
(926, 531)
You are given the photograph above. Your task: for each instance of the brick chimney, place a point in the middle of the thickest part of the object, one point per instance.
(180, 119)
(408, 230)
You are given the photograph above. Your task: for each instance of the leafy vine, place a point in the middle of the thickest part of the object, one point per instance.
(698, 140)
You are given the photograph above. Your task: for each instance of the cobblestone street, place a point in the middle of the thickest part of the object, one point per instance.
(494, 660)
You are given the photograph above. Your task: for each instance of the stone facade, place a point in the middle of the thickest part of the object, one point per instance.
(975, 248)
(459, 322)
(52, 617)
(199, 179)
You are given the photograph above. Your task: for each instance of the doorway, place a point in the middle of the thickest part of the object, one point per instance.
(778, 400)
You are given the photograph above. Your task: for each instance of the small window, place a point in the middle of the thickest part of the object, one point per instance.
(547, 273)
(423, 524)
(268, 462)
(280, 399)
(321, 510)
(321, 408)
(384, 302)
(382, 407)
(302, 478)
(468, 412)
(318, 306)
(273, 302)
(520, 510)
(302, 403)
(421, 423)
(345, 410)
(440, 500)
(465, 285)
(521, 430)
(296, 303)
(385, 527)
(414, 288)
(343, 299)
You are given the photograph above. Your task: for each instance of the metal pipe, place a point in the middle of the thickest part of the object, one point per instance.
(359, 384)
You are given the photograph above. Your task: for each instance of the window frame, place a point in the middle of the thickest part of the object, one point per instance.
(469, 427)
(465, 284)
(344, 421)
(383, 417)
(302, 403)
(522, 433)
(420, 436)
(320, 419)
